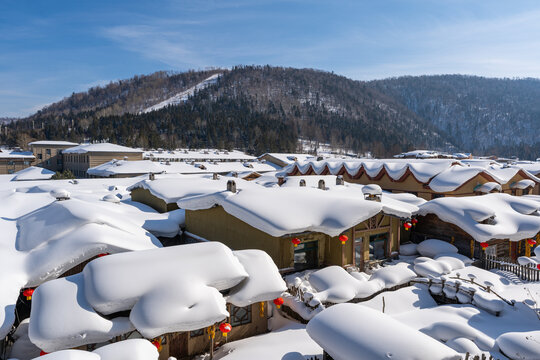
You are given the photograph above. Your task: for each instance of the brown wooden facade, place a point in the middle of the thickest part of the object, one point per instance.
(78, 164)
(49, 155)
(10, 165)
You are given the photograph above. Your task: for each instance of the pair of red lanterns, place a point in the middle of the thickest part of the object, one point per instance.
(409, 224)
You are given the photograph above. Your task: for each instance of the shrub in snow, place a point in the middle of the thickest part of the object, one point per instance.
(345, 331)
(408, 249)
(520, 345)
(434, 247)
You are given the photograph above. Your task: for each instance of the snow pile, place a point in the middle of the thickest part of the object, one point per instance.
(457, 175)
(533, 261)
(183, 96)
(520, 345)
(346, 330)
(33, 173)
(133, 349)
(166, 290)
(491, 216)
(100, 147)
(434, 247)
(408, 249)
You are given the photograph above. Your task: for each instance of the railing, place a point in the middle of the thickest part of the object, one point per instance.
(524, 272)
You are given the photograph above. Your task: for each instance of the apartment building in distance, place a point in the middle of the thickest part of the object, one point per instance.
(48, 153)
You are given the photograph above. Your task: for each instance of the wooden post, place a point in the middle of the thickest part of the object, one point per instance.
(527, 249)
(472, 248)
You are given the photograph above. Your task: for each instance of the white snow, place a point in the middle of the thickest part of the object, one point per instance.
(33, 173)
(513, 217)
(198, 155)
(184, 95)
(347, 330)
(166, 290)
(123, 167)
(434, 247)
(132, 349)
(520, 345)
(52, 143)
(100, 147)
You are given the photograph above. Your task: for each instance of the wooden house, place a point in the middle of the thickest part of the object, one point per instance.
(12, 161)
(48, 153)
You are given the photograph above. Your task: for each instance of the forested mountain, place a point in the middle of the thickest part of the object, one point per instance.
(476, 114)
(263, 108)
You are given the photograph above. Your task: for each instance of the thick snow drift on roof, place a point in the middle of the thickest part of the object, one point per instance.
(100, 147)
(522, 184)
(132, 349)
(14, 154)
(513, 217)
(166, 290)
(223, 167)
(198, 155)
(347, 330)
(33, 173)
(455, 176)
(488, 187)
(123, 167)
(282, 211)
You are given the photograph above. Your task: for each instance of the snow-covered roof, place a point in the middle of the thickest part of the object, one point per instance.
(33, 173)
(100, 147)
(346, 330)
(290, 158)
(43, 238)
(510, 217)
(222, 167)
(52, 143)
(289, 210)
(166, 290)
(14, 154)
(457, 175)
(124, 167)
(488, 187)
(198, 155)
(522, 184)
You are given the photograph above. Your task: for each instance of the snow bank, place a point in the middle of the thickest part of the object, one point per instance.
(434, 247)
(408, 249)
(124, 167)
(133, 349)
(347, 330)
(509, 217)
(33, 173)
(100, 147)
(520, 345)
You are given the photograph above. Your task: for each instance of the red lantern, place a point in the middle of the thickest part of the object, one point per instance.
(28, 293)
(278, 302)
(225, 328)
(41, 353)
(531, 242)
(157, 344)
(296, 241)
(414, 222)
(103, 254)
(484, 245)
(538, 266)
(343, 239)
(407, 225)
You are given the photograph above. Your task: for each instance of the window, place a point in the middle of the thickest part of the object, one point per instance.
(59, 161)
(26, 162)
(196, 333)
(11, 171)
(377, 246)
(240, 315)
(525, 191)
(48, 162)
(39, 156)
(358, 251)
(11, 162)
(48, 151)
(306, 256)
(436, 196)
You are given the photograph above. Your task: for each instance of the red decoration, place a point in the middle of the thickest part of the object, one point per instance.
(484, 245)
(531, 242)
(343, 239)
(103, 254)
(407, 225)
(278, 302)
(414, 222)
(28, 293)
(157, 344)
(41, 353)
(538, 266)
(225, 328)
(296, 241)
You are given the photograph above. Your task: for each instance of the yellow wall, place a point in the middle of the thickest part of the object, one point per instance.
(145, 196)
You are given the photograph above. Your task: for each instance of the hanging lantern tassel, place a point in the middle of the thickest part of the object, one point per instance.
(484, 245)
(414, 222)
(28, 293)
(407, 225)
(278, 302)
(531, 242)
(157, 344)
(296, 241)
(225, 328)
(343, 239)
(211, 332)
(261, 309)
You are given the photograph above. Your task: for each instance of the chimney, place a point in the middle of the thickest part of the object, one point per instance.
(280, 180)
(339, 180)
(321, 185)
(231, 186)
(152, 176)
(215, 176)
(302, 183)
(372, 192)
(125, 158)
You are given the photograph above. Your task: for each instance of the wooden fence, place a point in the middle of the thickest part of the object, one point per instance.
(524, 272)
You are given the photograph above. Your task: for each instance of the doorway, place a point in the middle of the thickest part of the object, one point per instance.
(306, 256)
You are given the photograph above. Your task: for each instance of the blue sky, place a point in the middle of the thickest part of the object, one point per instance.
(51, 48)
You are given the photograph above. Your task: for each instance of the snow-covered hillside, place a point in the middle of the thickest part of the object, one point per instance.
(184, 95)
